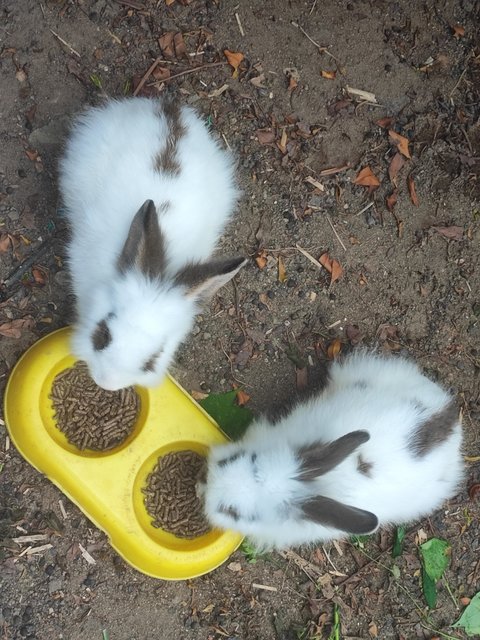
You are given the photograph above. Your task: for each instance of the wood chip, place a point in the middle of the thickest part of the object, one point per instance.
(86, 555)
(38, 537)
(265, 587)
(364, 95)
(315, 183)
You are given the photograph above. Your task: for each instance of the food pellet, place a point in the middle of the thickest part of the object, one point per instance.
(170, 494)
(89, 416)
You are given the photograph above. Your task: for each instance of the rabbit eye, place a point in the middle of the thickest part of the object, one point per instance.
(101, 337)
(149, 366)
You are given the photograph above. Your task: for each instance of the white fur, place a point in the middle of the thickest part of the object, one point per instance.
(387, 397)
(106, 174)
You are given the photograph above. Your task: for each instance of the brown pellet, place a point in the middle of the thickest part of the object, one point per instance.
(89, 416)
(170, 494)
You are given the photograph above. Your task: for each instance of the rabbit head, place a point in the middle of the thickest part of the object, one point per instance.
(131, 325)
(257, 490)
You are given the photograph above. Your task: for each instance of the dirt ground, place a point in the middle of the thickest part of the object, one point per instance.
(410, 279)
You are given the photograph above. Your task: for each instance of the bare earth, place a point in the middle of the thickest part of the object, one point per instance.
(410, 282)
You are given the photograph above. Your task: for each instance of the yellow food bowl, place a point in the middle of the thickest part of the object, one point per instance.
(107, 485)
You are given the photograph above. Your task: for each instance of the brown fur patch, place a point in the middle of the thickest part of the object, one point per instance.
(364, 467)
(434, 431)
(166, 161)
(101, 337)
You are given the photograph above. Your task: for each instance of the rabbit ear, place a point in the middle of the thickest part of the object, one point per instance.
(318, 458)
(144, 247)
(331, 513)
(203, 279)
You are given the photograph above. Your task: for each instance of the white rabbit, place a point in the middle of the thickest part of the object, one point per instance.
(380, 445)
(147, 193)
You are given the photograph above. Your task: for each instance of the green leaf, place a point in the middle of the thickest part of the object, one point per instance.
(435, 555)
(1, 467)
(232, 419)
(335, 633)
(470, 618)
(398, 542)
(96, 81)
(429, 589)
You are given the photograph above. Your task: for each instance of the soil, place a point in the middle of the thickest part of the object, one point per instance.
(410, 281)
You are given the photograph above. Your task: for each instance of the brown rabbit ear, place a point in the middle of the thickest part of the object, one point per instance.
(203, 279)
(331, 513)
(318, 458)
(144, 247)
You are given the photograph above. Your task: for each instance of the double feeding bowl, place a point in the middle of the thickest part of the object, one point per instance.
(107, 485)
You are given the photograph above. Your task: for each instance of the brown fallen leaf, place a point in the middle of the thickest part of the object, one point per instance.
(244, 354)
(451, 233)
(292, 84)
(385, 123)
(334, 349)
(332, 265)
(242, 397)
(14, 328)
(282, 145)
(198, 395)
(265, 136)
(458, 31)
(401, 142)
(165, 42)
(179, 45)
(258, 81)
(261, 259)
(39, 275)
(329, 75)
(392, 200)
(373, 630)
(353, 333)
(412, 191)
(366, 178)
(234, 59)
(31, 154)
(161, 73)
(5, 242)
(282, 274)
(395, 165)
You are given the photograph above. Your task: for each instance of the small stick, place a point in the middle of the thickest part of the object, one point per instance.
(334, 170)
(86, 555)
(149, 72)
(240, 28)
(335, 232)
(64, 42)
(38, 537)
(62, 509)
(330, 326)
(365, 209)
(32, 550)
(319, 47)
(309, 256)
(265, 587)
(188, 71)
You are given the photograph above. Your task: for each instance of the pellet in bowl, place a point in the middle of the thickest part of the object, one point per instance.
(89, 416)
(170, 494)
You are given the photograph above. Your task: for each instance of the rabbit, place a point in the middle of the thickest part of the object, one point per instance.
(147, 192)
(380, 445)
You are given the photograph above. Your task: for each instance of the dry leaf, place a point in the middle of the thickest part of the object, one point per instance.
(334, 349)
(235, 567)
(14, 328)
(385, 123)
(198, 395)
(392, 200)
(282, 274)
(282, 145)
(474, 491)
(39, 275)
(5, 242)
(401, 142)
(265, 136)
(395, 165)
(366, 178)
(373, 630)
(451, 233)
(160, 74)
(261, 259)
(20, 75)
(179, 45)
(258, 81)
(292, 84)
(234, 60)
(31, 154)
(353, 333)
(332, 266)
(363, 95)
(169, 2)
(165, 42)
(329, 75)
(458, 31)
(412, 190)
(242, 397)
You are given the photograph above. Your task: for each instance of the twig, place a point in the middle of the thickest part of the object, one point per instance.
(86, 555)
(458, 82)
(38, 537)
(311, 570)
(240, 28)
(335, 232)
(319, 46)
(188, 71)
(309, 256)
(149, 72)
(64, 42)
(17, 273)
(265, 587)
(334, 170)
(364, 209)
